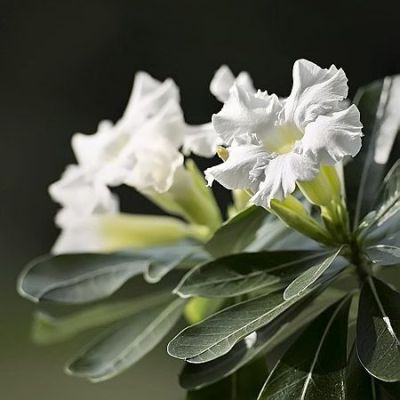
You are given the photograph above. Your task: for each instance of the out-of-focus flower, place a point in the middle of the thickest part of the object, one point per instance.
(274, 143)
(142, 149)
(84, 204)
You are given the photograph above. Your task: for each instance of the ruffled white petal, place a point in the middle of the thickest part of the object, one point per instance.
(281, 175)
(234, 173)
(332, 137)
(245, 113)
(315, 91)
(148, 97)
(201, 140)
(82, 237)
(153, 166)
(81, 196)
(223, 81)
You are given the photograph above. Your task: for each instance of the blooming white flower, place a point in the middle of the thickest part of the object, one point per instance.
(273, 143)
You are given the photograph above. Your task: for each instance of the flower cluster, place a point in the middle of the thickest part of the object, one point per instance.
(275, 142)
(270, 145)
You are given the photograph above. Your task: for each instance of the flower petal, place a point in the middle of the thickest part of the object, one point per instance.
(148, 97)
(234, 173)
(153, 166)
(224, 79)
(281, 174)
(80, 196)
(246, 113)
(331, 137)
(201, 140)
(315, 91)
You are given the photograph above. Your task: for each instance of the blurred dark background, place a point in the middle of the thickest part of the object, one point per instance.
(65, 65)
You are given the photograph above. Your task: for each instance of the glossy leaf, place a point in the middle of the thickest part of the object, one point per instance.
(194, 376)
(242, 385)
(163, 259)
(123, 345)
(314, 366)
(243, 273)
(384, 254)
(237, 233)
(48, 329)
(309, 277)
(384, 219)
(378, 103)
(359, 384)
(378, 330)
(78, 278)
(216, 335)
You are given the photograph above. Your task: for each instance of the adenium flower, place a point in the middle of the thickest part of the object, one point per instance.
(142, 149)
(273, 143)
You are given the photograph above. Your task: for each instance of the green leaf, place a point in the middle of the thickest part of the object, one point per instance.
(216, 335)
(384, 254)
(163, 259)
(243, 273)
(359, 384)
(78, 278)
(384, 219)
(48, 329)
(122, 346)
(195, 376)
(242, 385)
(378, 330)
(378, 103)
(236, 233)
(314, 366)
(309, 277)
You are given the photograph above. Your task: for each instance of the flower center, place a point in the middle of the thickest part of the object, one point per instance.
(282, 139)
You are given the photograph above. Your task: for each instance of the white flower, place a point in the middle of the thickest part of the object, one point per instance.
(143, 148)
(83, 206)
(273, 143)
(224, 79)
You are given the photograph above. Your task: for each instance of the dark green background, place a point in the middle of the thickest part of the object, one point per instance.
(65, 65)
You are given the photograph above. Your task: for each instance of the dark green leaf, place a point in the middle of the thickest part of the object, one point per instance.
(48, 329)
(314, 366)
(378, 103)
(359, 384)
(216, 335)
(78, 278)
(242, 385)
(237, 233)
(194, 376)
(384, 254)
(384, 219)
(243, 273)
(123, 345)
(378, 330)
(165, 258)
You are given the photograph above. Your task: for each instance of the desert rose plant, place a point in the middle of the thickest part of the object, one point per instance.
(294, 295)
